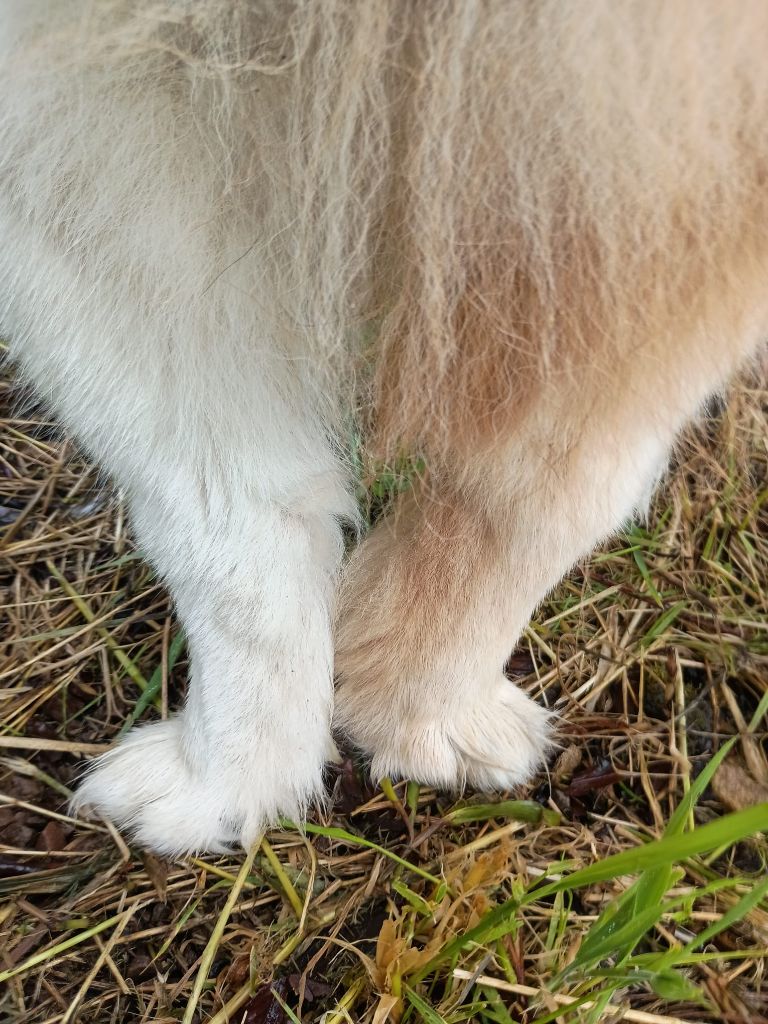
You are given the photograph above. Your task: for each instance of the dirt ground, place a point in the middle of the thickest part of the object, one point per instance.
(403, 903)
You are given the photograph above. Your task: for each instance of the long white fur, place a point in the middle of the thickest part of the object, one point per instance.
(108, 255)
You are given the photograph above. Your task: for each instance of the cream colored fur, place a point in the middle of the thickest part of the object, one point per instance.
(522, 239)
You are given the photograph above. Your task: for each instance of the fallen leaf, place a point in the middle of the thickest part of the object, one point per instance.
(52, 837)
(519, 664)
(313, 988)
(263, 1008)
(591, 779)
(389, 1008)
(735, 788)
(157, 870)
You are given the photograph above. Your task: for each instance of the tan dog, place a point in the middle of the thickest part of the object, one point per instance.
(522, 240)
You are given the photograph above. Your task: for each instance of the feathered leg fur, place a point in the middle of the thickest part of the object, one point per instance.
(434, 600)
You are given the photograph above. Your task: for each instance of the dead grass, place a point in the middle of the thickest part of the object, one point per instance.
(655, 652)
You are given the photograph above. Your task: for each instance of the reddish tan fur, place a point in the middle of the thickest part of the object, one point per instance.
(611, 228)
(460, 566)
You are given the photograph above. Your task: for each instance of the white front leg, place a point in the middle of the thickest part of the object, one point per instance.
(254, 592)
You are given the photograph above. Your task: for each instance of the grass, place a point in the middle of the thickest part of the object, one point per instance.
(628, 882)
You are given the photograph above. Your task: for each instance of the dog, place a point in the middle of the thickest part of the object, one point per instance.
(518, 242)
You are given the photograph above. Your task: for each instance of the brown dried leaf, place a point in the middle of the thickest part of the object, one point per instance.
(52, 837)
(157, 870)
(735, 788)
(263, 1008)
(389, 1008)
(488, 868)
(592, 779)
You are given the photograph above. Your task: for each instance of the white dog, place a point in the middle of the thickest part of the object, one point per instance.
(521, 240)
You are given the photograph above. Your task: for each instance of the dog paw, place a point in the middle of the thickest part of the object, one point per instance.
(147, 786)
(493, 741)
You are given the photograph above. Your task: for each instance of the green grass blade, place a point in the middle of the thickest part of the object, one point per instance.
(663, 622)
(649, 889)
(732, 916)
(501, 920)
(639, 560)
(155, 683)
(422, 1007)
(615, 943)
(691, 798)
(517, 810)
(723, 831)
(349, 837)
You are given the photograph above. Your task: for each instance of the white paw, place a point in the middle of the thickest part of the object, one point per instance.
(496, 741)
(147, 786)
